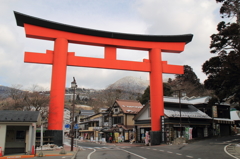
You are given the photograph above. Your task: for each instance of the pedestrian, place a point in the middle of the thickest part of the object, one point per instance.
(132, 139)
(147, 139)
(110, 139)
(131, 136)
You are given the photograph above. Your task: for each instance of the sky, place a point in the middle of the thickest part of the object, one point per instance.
(148, 17)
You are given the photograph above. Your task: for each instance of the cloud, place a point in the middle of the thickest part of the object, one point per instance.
(183, 17)
(157, 17)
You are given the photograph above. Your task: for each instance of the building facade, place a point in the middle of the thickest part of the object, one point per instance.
(18, 131)
(185, 118)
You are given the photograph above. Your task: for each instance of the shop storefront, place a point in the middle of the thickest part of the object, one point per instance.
(141, 133)
(222, 127)
(117, 134)
(86, 134)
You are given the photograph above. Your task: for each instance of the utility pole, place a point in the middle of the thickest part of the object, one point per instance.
(180, 108)
(73, 86)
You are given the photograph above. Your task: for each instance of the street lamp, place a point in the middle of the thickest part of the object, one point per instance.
(180, 107)
(73, 86)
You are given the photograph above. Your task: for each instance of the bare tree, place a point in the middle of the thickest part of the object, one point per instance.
(36, 100)
(32, 100)
(106, 97)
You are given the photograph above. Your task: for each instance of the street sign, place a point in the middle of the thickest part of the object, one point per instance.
(67, 126)
(76, 126)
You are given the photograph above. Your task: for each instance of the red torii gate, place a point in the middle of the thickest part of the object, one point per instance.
(60, 58)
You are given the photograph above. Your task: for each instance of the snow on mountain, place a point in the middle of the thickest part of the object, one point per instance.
(130, 83)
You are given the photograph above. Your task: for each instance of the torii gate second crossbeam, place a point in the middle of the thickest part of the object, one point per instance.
(60, 58)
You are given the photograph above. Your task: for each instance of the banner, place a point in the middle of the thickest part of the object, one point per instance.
(214, 111)
(188, 133)
(126, 136)
(206, 132)
(116, 136)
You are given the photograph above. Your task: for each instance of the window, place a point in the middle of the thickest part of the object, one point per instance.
(20, 135)
(117, 120)
(116, 110)
(106, 118)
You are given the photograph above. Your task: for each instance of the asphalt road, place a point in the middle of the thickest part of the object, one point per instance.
(204, 149)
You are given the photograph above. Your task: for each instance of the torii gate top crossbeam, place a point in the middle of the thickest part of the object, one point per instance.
(23, 19)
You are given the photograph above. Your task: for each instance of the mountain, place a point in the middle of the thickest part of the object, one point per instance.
(131, 84)
(5, 91)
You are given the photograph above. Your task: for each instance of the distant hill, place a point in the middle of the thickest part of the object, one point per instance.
(4, 91)
(130, 83)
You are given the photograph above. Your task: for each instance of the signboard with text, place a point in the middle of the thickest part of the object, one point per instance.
(214, 111)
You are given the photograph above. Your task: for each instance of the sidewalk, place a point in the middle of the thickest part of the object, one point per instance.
(66, 151)
(42, 153)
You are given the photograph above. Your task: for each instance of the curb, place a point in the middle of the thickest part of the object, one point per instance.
(74, 156)
(57, 155)
(18, 156)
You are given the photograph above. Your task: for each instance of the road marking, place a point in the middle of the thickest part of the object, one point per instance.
(225, 149)
(178, 154)
(169, 152)
(147, 148)
(161, 150)
(189, 156)
(154, 149)
(134, 154)
(88, 157)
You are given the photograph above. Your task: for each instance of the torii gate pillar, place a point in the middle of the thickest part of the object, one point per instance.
(156, 94)
(58, 83)
(60, 58)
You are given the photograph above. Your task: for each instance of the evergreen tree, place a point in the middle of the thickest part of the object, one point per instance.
(146, 96)
(189, 82)
(223, 69)
(167, 91)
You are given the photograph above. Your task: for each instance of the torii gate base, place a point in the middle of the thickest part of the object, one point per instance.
(60, 58)
(156, 137)
(56, 136)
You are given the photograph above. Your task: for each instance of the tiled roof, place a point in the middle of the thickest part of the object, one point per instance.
(18, 116)
(174, 112)
(189, 112)
(130, 106)
(87, 112)
(190, 101)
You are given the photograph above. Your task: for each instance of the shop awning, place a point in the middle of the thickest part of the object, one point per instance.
(223, 121)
